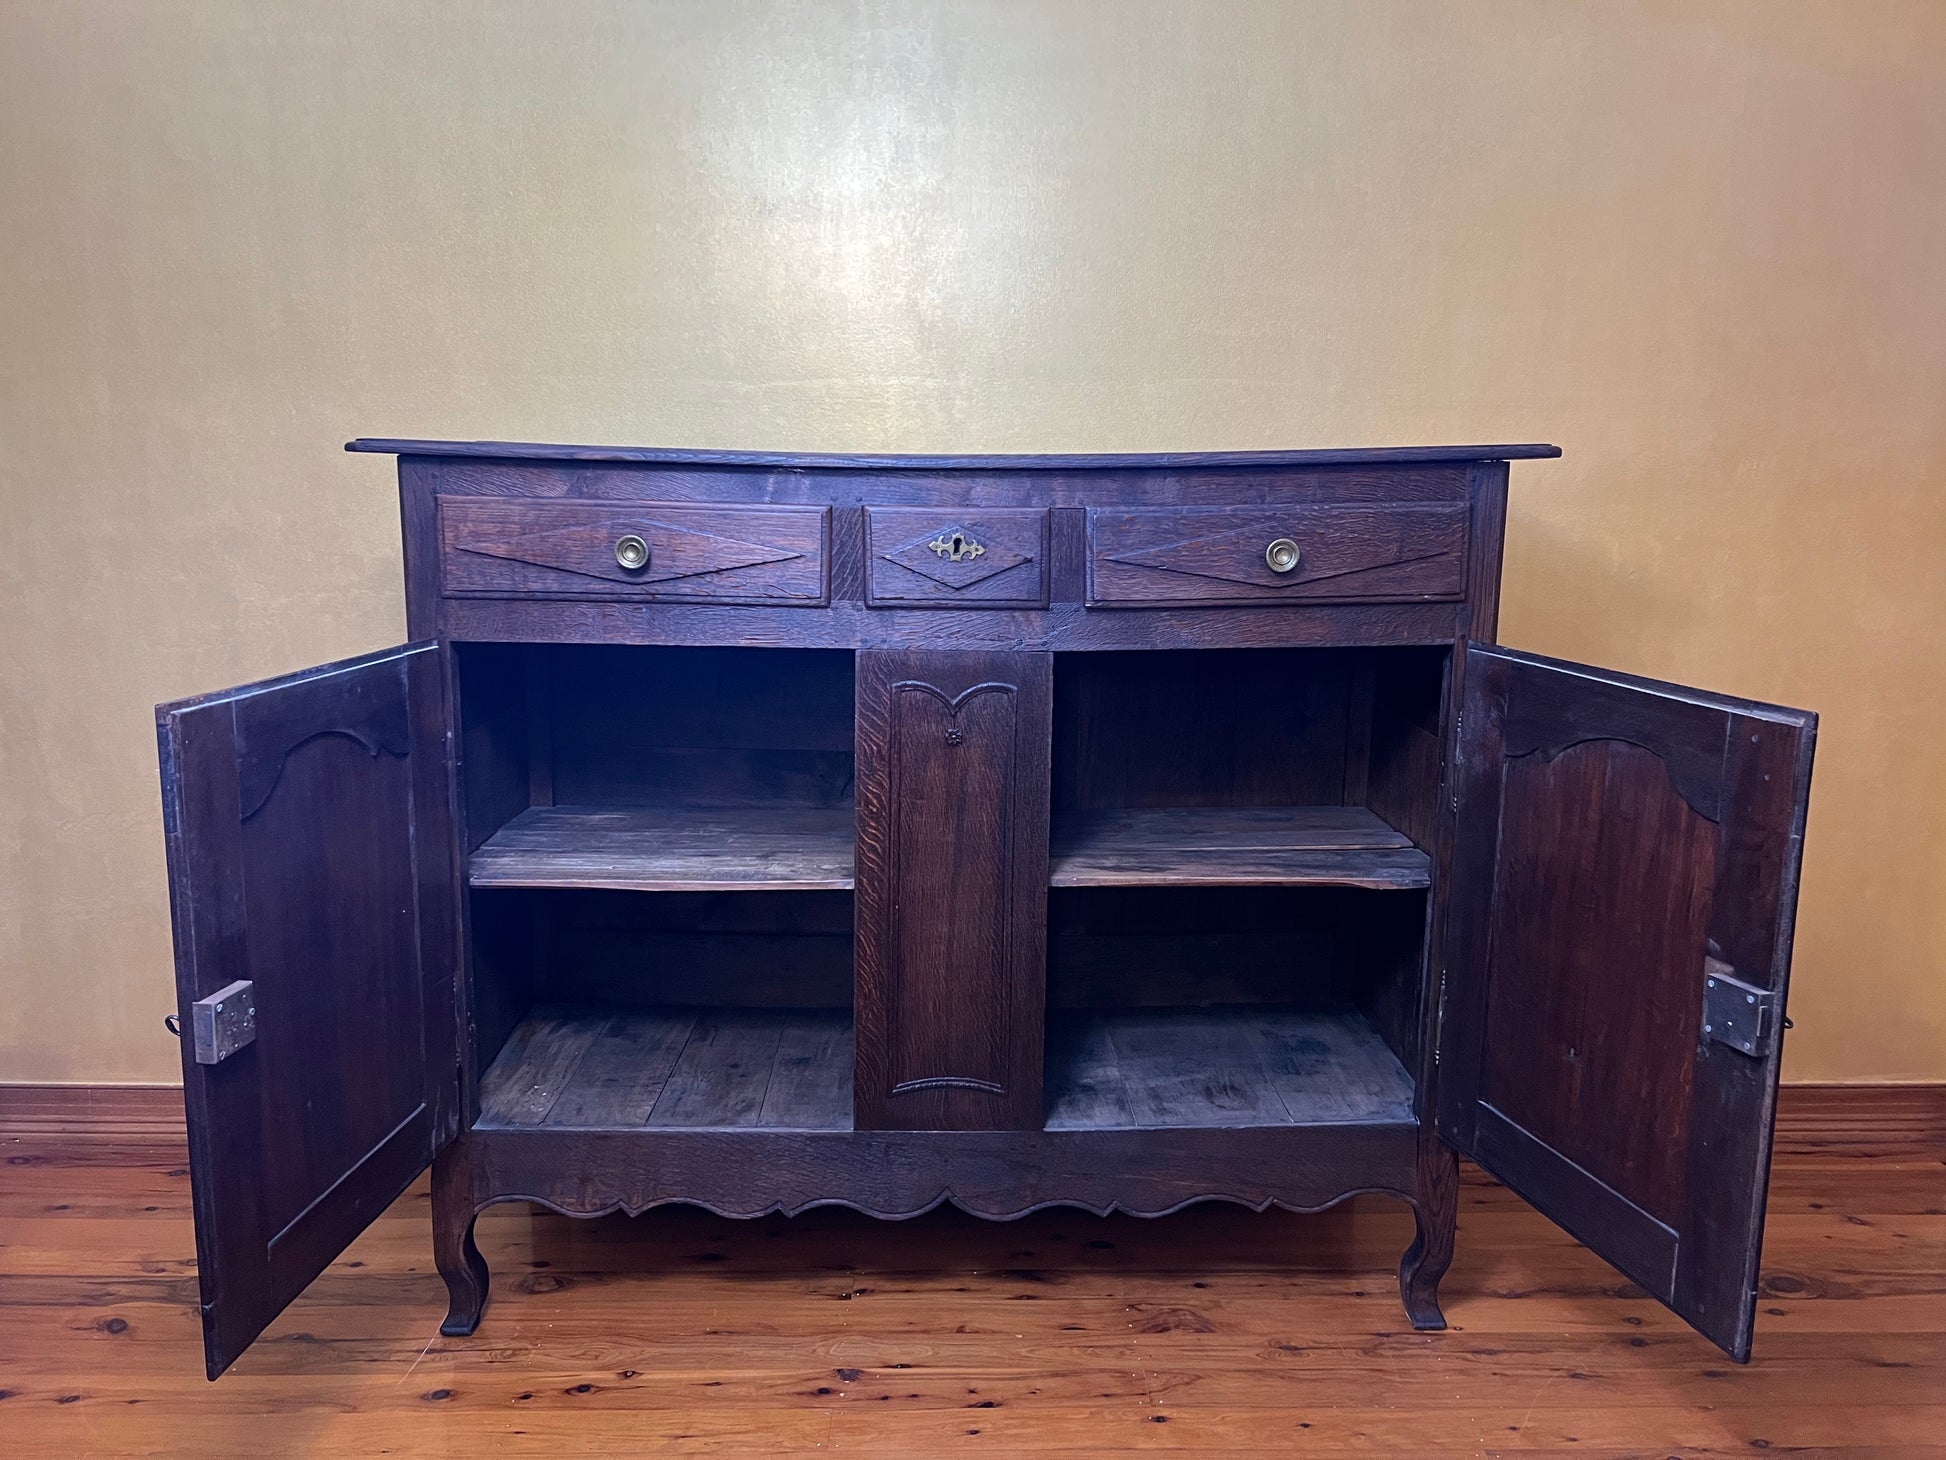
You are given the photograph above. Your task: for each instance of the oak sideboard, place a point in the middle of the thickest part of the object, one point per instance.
(763, 831)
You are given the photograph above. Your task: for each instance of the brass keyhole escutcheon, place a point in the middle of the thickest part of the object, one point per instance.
(957, 546)
(1283, 555)
(632, 552)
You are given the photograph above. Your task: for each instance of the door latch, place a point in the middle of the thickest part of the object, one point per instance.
(1736, 1013)
(224, 1022)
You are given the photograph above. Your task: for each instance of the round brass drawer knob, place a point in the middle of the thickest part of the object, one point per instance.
(631, 552)
(1283, 555)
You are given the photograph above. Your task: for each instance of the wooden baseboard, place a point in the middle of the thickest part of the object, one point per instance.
(91, 1112)
(1877, 1116)
(1808, 1116)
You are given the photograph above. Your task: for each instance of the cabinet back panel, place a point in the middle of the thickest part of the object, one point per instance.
(697, 727)
(1305, 947)
(1220, 728)
(731, 949)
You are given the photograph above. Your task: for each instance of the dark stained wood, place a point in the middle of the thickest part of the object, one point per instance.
(620, 949)
(953, 763)
(1315, 947)
(1065, 626)
(1487, 493)
(754, 553)
(1407, 754)
(310, 843)
(670, 849)
(1001, 562)
(1610, 844)
(1435, 1211)
(1233, 846)
(656, 769)
(1368, 455)
(497, 740)
(1157, 1068)
(1222, 728)
(1201, 556)
(896, 1174)
(707, 727)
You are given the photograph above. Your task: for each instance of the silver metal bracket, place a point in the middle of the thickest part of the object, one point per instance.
(1736, 1013)
(225, 1021)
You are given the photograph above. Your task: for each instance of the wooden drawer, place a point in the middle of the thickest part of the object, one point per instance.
(1206, 556)
(930, 557)
(691, 552)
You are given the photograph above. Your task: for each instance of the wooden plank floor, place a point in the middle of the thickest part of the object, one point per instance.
(1215, 1331)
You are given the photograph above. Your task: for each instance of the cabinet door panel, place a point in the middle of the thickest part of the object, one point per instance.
(953, 757)
(1624, 885)
(311, 870)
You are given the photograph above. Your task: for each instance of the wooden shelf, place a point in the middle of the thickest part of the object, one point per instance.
(672, 1069)
(1218, 846)
(570, 1068)
(671, 849)
(1230, 1067)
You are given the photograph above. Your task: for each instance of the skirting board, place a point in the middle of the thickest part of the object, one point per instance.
(1809, 1117)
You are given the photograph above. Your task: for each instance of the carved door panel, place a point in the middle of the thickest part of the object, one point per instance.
(953, 768)
(313, 886)
(1623, 889)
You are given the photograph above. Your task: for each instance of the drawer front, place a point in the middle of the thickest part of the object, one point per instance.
(1215, 556)
(674, 552)
(929, 557)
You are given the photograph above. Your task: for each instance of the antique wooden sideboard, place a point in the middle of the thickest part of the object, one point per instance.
(762, 831)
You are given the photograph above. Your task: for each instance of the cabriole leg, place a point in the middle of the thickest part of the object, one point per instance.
(1436, 1207)
(453, 1248)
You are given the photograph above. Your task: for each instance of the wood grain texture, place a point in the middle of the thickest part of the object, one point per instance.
(745, 552)
(670, 849)
(1156, 1068)
(1216, 555)
(1614, 834)
(310, 842)
(903, 568)
(953, 766)
(1197, 846)
(1216, 1330)
(845, 625)
(673, 1068)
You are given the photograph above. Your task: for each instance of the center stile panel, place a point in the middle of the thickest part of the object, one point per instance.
(953, 798)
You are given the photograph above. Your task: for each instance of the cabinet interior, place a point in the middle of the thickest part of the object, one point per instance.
(660, 840)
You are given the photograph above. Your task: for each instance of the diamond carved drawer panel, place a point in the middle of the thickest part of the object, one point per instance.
(931, 557)
(1212, 556)
(695, 552)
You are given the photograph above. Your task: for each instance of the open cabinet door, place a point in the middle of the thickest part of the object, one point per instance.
(1623, 886)
(311, 877)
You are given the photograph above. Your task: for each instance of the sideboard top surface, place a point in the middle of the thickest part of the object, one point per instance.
(1168, 460)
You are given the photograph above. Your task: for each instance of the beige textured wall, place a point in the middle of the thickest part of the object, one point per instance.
(1700, 245)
